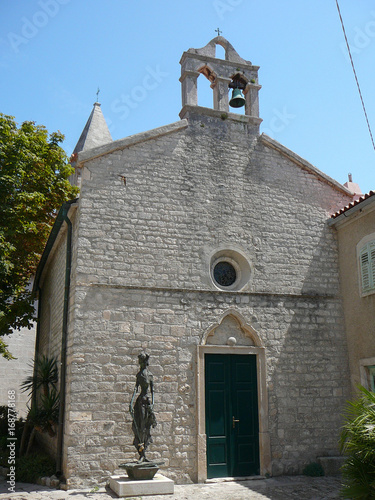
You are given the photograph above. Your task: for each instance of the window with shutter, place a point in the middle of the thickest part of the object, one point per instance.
(372, 262)
(367, 267)
(372, 378)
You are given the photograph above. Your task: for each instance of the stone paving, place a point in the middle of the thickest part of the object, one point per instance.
(278, 488)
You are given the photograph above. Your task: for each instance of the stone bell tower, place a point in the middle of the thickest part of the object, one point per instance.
(223, 75)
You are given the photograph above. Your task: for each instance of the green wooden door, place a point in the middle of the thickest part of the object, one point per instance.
(232, 426)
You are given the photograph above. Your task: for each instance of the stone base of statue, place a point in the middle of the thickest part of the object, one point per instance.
(141, 470)
(123, 486)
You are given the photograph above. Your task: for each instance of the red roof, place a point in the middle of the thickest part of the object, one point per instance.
(353, 204)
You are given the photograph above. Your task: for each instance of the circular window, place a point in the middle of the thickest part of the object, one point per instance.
(224, 273)
(229, 269)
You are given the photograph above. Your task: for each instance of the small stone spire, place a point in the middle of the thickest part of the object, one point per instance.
(95, 133)
(353, 187)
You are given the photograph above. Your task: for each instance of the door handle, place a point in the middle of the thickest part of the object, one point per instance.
(234, 422)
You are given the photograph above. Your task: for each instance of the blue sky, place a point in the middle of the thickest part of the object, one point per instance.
(54, 54)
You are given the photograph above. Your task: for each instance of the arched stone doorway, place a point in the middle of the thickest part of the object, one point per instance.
(236, 346)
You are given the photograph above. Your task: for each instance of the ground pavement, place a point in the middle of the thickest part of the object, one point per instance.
(278, 488)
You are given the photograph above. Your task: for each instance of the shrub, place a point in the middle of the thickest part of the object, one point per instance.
(31, 467)
(313, 470)
(358, 442)
(3, 421)
(4, 428)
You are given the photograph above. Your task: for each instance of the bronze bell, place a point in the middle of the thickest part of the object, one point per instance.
(237, 100)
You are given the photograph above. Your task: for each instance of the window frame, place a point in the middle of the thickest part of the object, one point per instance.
(236, 268)
(366, 265)
(367, 371)
(371, 370)
(241, 264)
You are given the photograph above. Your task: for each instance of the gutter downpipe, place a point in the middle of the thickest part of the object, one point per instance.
(36, 353)
(64, 338)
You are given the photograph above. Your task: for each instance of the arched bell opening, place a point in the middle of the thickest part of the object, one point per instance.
(220, 52)
(204, 87)
(237, 91)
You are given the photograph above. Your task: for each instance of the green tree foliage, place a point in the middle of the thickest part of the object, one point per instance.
(34, 173)
(358, 442)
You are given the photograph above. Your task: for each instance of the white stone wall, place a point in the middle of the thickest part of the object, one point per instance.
(52, 298)
(306, 369)
(142, 281)
(13, 372)
(51, 317)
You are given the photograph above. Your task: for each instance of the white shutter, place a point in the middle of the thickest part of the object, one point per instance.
(372, 263)
(365, 269)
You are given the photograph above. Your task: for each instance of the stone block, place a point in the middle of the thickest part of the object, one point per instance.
(124, 487)
(331, 465)
(80, 415)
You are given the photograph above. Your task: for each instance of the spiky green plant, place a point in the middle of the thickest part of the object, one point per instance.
(43, 414)
(358, 442)
(45, 376)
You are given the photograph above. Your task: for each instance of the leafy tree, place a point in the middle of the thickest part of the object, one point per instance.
(34, 173)
(358, 442)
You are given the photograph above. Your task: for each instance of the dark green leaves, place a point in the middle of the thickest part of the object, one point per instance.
(34, 173)
(358, 442)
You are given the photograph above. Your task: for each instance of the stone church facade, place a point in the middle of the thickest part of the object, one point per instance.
(205, 244)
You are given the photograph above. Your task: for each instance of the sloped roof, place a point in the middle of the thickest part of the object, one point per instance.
(89, 153)
(362, 201)
(302, 163)
(131, 140)
(95, 133)
(61, 217)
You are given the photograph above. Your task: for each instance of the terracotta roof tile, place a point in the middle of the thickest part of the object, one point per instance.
(353, 204)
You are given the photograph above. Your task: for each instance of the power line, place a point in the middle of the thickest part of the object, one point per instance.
(355, 75)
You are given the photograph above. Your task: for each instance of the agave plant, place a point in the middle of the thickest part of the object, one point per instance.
(45, 376)
(43, 414)
(50, 412)
(358, 442)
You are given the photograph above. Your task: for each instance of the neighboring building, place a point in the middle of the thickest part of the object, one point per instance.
(206, 244)
(355, 225)
(21, 344)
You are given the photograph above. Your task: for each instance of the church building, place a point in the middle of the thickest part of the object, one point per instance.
(207, 245)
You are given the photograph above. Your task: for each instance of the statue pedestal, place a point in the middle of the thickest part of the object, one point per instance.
(123, 486)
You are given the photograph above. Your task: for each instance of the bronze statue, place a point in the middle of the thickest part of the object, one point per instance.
(142, 411)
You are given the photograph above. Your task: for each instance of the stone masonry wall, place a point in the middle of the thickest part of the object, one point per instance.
(51, 316)
(305, 376)
(191, 191)
(142, 281)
